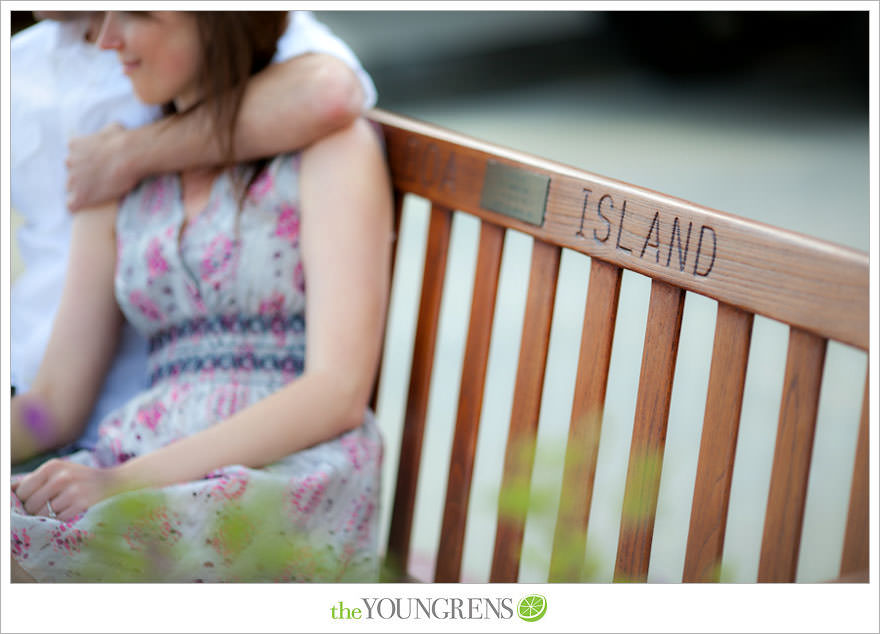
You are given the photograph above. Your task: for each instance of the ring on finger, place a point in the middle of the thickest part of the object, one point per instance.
(49, 507)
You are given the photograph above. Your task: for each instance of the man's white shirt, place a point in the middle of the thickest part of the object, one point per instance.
(62, 87)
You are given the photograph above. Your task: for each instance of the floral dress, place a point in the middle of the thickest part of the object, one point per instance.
(222, 303)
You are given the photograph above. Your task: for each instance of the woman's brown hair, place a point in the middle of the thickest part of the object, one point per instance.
(234, 46)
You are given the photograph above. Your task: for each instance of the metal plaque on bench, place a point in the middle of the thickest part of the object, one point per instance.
(515, 192)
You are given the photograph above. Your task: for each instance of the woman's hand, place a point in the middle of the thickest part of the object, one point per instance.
(70, 487)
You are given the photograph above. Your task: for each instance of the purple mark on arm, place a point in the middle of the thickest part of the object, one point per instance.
(37, 422)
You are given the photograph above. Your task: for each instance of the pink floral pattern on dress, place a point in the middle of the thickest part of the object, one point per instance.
(359, 509)
(288, 223)
(177, 393)
(358, 454)
(231, 485)
(226, 401)
(156, 264)
(21, 543)
(158, 525)
(273, 305)
(151, 415)
(112, 446)
(218, 257)
(145, 305)
(67, 539)
(308, 494)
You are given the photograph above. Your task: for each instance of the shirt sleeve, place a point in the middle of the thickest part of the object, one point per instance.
(305, 34)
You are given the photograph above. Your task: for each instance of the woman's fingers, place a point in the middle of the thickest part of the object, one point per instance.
(36, 504)
(67, 505)
(27, 485)
(42, 485)
(70, 487)
(31, 493)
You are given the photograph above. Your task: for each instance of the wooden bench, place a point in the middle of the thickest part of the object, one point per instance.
(818, 289)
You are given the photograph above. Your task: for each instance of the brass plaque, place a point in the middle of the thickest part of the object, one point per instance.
(515, 192)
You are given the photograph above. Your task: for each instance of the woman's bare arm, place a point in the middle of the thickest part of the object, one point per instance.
(84, 337)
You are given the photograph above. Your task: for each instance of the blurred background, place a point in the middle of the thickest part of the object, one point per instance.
(759, 114)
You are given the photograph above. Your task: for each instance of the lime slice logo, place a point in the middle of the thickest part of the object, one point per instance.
(532, 607)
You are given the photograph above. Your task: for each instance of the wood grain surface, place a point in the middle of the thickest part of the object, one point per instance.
(440, 225)
(855, 544)
(791, 458)
(649, 432)
(582, 449)
(806, 282)
(727, 378)
(470, 403)
(520, 452)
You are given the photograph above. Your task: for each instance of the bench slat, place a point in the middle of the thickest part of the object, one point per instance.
(464, 444)
(855, 544)
(791, 458)
(649, 432)
(519, 454)
(789, 277)
(395, 232)
(600, 315)
(420, 382)
(727, 377)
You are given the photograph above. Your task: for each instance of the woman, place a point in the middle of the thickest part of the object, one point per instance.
(247, 458)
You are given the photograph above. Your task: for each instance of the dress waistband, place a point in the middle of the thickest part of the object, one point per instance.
(227, 324)
(265, 344)
(287, 365)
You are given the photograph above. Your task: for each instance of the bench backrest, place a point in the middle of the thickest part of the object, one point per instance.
(818, 289)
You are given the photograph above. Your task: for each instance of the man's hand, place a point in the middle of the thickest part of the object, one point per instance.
(71, 488)
(98, 168)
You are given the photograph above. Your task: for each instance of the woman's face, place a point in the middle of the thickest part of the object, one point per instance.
(159, 51)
